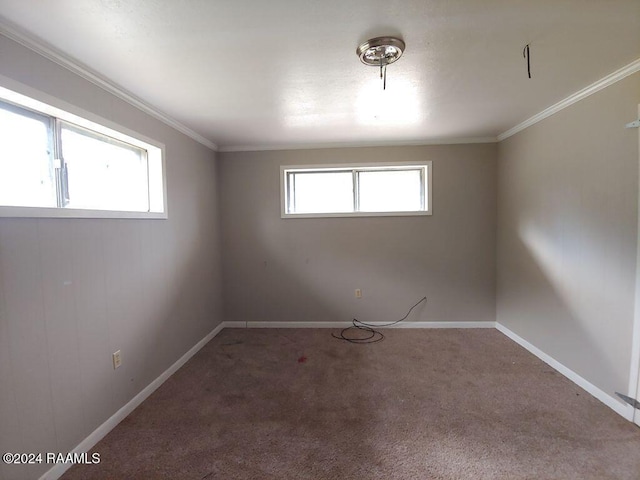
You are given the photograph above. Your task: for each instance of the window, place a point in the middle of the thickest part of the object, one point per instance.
(99, 167)
(55, 163)
(356, 190)
(26, 159)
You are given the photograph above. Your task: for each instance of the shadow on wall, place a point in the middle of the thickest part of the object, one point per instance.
(310, 273)
(567, 297)
(308, 270)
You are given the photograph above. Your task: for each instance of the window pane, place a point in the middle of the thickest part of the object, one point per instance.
(321, 192)
(390, 191)
(104, 174)
(27, 178)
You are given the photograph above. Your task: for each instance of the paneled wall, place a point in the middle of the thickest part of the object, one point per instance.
(73, 291)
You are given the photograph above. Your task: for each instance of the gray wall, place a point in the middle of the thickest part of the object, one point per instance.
(307, 269)
(567, 196)
(150, 288)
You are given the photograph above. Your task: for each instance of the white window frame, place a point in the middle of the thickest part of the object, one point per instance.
(426, 187)
(25, 97)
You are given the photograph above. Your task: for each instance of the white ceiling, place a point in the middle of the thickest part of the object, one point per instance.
(261, 74)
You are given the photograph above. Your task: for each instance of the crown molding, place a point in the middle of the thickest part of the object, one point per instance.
(42, 48)
(310, 146)
(614, 77)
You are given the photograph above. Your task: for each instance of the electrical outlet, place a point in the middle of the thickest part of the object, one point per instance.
(117, 360)
(358, 293)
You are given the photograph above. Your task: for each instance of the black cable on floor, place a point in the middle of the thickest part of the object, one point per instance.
(373, 335)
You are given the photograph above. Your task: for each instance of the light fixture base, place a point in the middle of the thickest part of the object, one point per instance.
(380, 51)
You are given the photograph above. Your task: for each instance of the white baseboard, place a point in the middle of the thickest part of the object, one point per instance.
(443, 324)
(625, 411)
(99, 433)
(375, 324)
(297, 324)
(235, 324)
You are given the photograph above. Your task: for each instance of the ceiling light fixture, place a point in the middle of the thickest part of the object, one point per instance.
(380, 52)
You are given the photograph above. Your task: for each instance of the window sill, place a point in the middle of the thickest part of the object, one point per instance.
(354, 214)
(43, 212)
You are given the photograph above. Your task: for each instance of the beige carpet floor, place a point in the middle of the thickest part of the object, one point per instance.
(422, 404)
